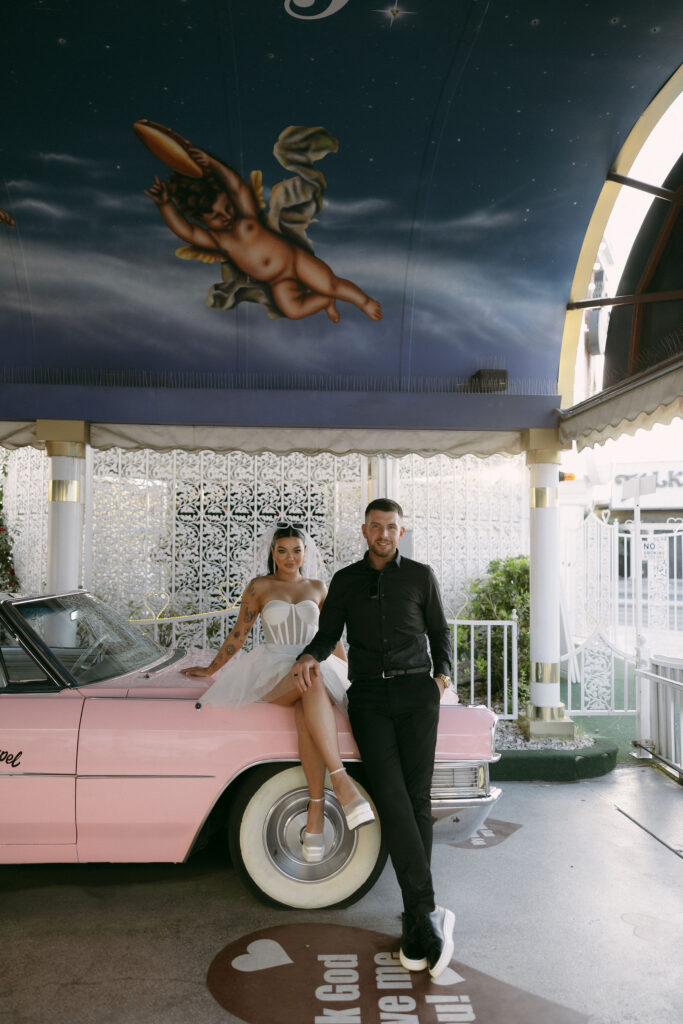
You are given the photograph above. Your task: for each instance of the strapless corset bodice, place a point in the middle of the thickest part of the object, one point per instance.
(285, 623)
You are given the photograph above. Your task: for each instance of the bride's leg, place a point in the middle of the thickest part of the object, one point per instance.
(314, 770)
(319, 717)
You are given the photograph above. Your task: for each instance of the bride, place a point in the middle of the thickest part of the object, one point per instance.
(289, 605)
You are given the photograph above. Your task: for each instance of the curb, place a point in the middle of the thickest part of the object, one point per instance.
(551, 765)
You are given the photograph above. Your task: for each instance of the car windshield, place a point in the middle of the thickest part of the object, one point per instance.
(90, 640)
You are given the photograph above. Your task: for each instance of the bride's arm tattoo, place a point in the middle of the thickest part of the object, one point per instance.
(236, 637)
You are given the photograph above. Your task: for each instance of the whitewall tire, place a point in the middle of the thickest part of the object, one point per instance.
(265, 826)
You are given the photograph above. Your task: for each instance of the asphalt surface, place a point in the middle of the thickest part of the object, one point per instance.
(570, 910)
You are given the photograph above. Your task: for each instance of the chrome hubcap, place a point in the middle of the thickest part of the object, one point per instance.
(283, 829)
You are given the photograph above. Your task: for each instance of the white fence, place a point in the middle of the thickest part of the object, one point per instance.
(202, 631)
(602, 578)
(601, 575)
(660, 720)
(473, 643)
(474, 640)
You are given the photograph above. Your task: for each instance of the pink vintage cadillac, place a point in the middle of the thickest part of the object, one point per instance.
(104, 757)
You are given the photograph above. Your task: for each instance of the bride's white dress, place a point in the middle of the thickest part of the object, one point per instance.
(287, 629)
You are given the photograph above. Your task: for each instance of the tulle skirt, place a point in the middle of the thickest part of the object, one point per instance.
(250, 677)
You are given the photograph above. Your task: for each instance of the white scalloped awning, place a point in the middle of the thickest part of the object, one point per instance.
(653, 397)
(282, 440)
(309, 441)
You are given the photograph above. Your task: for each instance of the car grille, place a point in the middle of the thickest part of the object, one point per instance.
(456, 779)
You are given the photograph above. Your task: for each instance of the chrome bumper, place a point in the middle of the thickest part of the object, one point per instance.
(456, 820)
(462, 799)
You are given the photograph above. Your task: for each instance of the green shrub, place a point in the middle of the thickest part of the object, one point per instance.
(504, 589)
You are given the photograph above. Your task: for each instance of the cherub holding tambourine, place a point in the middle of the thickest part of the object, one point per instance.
(266, 257)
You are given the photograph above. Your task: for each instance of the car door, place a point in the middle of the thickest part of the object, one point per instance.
(39, 722)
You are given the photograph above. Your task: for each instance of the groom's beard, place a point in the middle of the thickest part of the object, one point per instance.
(382, 550)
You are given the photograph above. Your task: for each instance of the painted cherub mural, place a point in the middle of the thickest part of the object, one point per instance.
(265, 256)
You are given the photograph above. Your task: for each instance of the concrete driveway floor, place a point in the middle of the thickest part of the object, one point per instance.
(575, 914)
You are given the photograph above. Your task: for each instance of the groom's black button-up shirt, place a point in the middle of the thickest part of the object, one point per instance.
(388, 614)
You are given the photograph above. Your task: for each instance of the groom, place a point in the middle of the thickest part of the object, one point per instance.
(390, 605)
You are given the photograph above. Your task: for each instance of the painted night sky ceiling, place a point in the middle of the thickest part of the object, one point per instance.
(439, 165)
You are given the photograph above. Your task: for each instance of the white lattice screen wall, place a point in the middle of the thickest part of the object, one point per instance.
(464, 513)
(185, 523)
(26, 514)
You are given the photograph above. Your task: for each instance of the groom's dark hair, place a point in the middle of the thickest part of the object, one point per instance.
(384, 505)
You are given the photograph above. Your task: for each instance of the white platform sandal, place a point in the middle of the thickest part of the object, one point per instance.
(313, 843)
(358, 812)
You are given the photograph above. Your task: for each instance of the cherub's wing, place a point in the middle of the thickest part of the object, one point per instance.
(191, 252)
(256, 185)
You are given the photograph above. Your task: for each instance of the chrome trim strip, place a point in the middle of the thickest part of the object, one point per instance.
(108, 776)
(38, 775)
(489, 799)
(68, 775)
(169, 659)
(470, 760)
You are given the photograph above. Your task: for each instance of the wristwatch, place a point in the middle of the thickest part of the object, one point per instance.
(446, 680)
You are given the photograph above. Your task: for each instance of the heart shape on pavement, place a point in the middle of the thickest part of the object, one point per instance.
(260, 955)
(448, 977)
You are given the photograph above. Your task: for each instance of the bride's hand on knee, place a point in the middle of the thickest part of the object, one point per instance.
(303, 676)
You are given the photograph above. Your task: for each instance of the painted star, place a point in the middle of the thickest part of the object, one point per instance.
(393, 13)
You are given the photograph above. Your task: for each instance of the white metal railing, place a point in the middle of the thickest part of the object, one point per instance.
(473, 661)
(198, 630)
(205, 629)
(660, 713)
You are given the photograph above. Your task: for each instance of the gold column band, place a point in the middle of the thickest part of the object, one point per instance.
(70, 449)
(545, 671)
(544, 497)
(537, 714)
(64, 490)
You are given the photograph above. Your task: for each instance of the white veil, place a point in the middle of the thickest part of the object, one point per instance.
(312, 566)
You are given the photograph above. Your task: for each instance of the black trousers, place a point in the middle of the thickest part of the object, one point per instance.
(394, 723)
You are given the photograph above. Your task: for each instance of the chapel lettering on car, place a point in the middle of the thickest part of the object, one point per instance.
(9, 758)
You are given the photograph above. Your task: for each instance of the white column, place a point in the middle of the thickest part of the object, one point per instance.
(545, 714)
(65, 443)
(65, 521)
(544, 585)
(382, 477)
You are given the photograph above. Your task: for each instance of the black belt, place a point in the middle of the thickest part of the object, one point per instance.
(397, 672)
